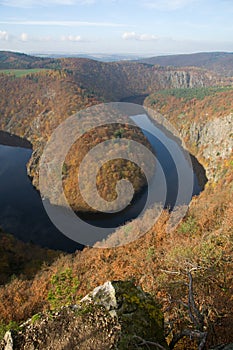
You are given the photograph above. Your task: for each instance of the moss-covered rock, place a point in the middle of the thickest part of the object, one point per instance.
(139, 315)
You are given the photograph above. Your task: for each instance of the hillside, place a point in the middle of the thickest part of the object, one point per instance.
(117, 80)
(161, 261)
(17, 60)
(34, 104)
(21, 259)
(219, 62)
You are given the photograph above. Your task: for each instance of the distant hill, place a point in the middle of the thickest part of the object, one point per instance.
(16, 60)
(95, 56)
(219, 62)
(113, 81)
(116, 80)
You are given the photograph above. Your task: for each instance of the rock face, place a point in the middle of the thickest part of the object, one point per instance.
(113, 316)
(214, 140)
(185, 79)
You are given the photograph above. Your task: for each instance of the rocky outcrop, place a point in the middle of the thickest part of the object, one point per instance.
(215, 135)
(186, 79)
(116, 315)
(214, 141)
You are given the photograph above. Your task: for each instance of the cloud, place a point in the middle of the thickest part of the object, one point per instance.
(65, 23)
(168, 5)
(46, 3)
(140, 37)
(4, 35)
(24, 37)
(73, 38)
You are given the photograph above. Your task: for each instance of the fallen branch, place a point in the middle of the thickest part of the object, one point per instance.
(147, 342)
(192, 335)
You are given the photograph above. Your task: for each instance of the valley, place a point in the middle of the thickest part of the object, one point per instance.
(198, 104)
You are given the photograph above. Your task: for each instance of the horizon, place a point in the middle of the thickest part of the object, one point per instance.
(126, 56)
(139, 27)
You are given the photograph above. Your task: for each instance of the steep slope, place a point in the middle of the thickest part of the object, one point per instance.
(18, 258)
(160, 260)
(34, 105)
(204, 118)
(117, 80)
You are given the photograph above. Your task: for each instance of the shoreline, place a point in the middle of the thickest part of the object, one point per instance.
(8, 139)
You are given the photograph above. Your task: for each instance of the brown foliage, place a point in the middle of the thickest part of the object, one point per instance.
(151, 261)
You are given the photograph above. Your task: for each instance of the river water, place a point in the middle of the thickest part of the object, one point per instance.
(21, 209)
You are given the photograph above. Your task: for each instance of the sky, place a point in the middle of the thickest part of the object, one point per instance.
(139, 27)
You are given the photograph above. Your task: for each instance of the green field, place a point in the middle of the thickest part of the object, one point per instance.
(198, 93)
(21, 72)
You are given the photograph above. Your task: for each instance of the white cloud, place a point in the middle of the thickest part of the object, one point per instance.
(66, 23)
(4, 35)
(34, 3)
(168, 5)
(71, 38)
(24, 37)
(140, 37)
(129, 35)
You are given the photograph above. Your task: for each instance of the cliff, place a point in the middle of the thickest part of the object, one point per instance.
(204, 120)
(214, 142)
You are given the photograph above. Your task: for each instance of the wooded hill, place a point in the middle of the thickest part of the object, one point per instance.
(17, 60)
(115, 80)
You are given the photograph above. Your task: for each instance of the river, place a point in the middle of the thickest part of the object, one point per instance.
(21, 209)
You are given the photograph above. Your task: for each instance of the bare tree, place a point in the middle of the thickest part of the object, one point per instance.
(197, 327)
(196, 317)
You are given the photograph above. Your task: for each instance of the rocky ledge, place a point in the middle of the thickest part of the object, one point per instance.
(116, 315)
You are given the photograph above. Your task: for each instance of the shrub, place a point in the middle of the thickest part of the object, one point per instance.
(63, 290)
(189, 226)
(7, 327)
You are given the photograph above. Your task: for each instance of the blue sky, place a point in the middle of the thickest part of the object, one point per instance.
(145, 27)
